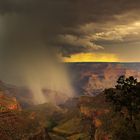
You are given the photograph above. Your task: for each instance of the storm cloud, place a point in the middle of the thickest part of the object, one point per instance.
(42, 22)
(34, 30)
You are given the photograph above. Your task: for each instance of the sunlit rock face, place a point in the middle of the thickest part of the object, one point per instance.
(97, 83)
(8, 103)
(134, 73)
(93, 78)
(22, 94)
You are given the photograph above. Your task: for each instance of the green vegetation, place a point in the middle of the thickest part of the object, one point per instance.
(80, 136)
(2, 108)
(69, 127)
(125, 102)
(51, 124)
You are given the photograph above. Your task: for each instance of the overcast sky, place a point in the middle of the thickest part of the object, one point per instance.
(94, 30)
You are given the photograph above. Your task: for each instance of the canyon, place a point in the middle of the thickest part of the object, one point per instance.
(85, 116)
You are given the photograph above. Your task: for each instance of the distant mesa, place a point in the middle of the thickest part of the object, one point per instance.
(93, 78)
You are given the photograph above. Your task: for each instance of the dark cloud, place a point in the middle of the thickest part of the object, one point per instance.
(33, 24)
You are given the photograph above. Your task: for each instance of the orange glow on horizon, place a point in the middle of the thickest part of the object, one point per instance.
(91, 57)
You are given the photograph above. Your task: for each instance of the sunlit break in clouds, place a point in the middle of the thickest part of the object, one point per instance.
(91, 57)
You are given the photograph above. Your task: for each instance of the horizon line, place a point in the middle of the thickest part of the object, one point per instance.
(100, 62)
